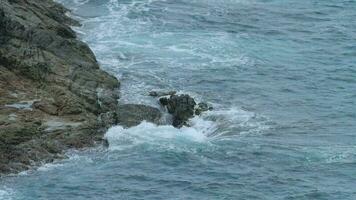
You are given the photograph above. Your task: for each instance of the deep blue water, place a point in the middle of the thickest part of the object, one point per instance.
(281, 75)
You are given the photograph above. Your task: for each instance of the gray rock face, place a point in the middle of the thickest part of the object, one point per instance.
(42, 61)
(133, 114)
(202, 107)
(181, 107)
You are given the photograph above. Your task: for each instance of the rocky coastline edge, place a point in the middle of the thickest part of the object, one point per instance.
(53, 94)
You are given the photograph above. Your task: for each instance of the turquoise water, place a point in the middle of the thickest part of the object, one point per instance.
(281, 75)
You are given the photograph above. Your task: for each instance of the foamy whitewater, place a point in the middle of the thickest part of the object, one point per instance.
(280, 74)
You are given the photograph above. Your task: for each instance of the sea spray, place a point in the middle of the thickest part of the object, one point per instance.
(6, 193)
(162, 136)
(280, 75)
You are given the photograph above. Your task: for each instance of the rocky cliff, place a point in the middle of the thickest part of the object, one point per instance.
(53, 95)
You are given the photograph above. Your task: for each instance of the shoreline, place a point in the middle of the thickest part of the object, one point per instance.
(53, 96)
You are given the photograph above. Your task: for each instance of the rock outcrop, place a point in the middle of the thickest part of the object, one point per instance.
(53, 95)
(182, 108)
(130, 115)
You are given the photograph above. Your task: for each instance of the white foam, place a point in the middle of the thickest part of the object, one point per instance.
(211, 125)
(81, 2)
(120, 138)
(49, 166)
(22, 105)
(203, 130)
(237, 121)
(6, 193)
(74, 157)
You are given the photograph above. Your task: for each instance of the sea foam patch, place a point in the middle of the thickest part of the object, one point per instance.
(237, 121)
(120, 138)
(6, 193)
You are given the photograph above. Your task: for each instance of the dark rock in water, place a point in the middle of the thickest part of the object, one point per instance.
(161, 94)
(133, 114)
(181, 107)
(42, 62)
(163, 101)
(202, 107)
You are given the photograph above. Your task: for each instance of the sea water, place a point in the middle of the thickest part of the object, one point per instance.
(281, 75)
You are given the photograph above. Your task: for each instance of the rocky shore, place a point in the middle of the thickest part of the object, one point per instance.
(53, 95)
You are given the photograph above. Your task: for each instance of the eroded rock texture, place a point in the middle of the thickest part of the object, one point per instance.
(53, 95)
(182, 108)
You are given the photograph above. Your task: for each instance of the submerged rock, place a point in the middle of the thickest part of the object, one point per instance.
(133, 114)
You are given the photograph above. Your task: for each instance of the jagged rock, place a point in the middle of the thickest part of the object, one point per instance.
(164, 101)
(108, 119)
(181, 107)
(133, 114)
(202, 107)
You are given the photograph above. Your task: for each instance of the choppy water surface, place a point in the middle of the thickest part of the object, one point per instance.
(281, 75)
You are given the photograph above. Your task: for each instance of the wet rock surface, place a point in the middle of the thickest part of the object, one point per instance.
(53, 95)
(161, 93)
(202, 107)
(182, 108)
(130, 115)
